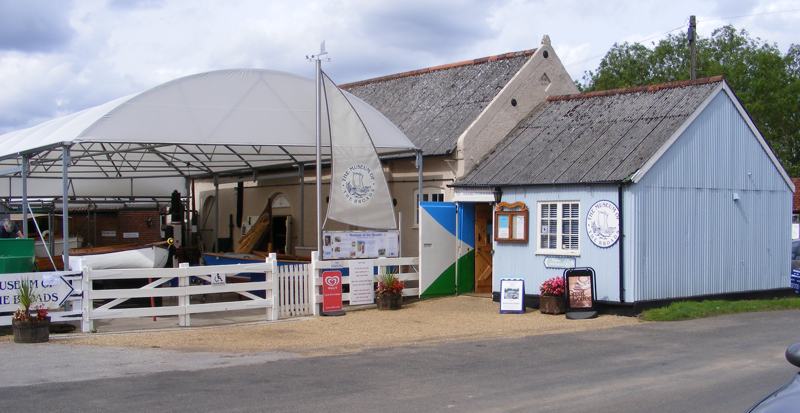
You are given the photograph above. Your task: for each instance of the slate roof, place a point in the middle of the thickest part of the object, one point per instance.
(597, 137)
(434, 106)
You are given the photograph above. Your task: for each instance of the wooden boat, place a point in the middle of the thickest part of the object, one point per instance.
(58, 247)
(119, 256)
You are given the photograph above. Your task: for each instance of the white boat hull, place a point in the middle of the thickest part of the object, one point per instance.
(146, 257)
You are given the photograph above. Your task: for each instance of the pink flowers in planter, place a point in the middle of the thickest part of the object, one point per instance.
(552, 287)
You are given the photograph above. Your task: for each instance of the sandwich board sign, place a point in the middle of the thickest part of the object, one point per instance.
(581, 292)
(512, 296)
(332, 293)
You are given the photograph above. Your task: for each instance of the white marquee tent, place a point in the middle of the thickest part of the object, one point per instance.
(208, 125)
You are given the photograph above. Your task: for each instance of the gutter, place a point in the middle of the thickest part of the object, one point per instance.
(621, 247)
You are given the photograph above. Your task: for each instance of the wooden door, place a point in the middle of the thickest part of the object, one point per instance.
(483, 248)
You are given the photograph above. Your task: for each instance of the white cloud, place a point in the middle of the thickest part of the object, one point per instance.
(110, 49)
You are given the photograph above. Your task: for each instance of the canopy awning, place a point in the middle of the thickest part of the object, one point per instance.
(218, 123)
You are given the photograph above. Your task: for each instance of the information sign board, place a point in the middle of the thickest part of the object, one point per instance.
(360, 244)
(512, 296)
(362, 289)
(51, 289)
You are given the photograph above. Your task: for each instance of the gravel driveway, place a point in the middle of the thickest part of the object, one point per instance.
(429, 321)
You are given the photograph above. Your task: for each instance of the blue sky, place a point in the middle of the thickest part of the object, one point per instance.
(57, 57)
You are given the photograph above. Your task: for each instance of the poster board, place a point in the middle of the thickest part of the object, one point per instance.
(332, 293)
(360, 244)
(511, 222)
(512, 296)
(362, 288)
(581, 291)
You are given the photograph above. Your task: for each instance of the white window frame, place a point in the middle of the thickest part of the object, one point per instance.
(429, 191)
(538, 235)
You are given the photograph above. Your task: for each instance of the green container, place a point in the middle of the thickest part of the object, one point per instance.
(16, 255)
(16, 247)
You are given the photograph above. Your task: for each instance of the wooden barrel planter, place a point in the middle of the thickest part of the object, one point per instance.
(31, 331)
(549, 304)
(389, 301)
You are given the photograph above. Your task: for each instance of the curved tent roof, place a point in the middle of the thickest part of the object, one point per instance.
(217, 123)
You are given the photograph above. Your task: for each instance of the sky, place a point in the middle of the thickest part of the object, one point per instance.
(61, 56)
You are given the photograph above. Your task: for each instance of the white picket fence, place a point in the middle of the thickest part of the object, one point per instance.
(295, 295)
(288, 290)
(184, 291)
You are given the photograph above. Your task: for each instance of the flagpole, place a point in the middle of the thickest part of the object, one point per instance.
(318, 130)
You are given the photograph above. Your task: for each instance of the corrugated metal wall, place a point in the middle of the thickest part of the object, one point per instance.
(688, 236)
(521, 260)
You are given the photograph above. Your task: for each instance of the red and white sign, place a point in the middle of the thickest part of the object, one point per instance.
(331, 291)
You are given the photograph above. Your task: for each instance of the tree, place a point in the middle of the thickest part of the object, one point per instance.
(767, 82)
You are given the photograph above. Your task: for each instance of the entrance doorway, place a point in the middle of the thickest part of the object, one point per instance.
(483, 248)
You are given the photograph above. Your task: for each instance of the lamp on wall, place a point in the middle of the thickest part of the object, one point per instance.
(498, 194)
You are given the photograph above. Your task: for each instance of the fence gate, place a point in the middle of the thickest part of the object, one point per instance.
(294, 290)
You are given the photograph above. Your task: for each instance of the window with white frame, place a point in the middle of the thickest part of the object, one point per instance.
(558, 228)
(428, 195)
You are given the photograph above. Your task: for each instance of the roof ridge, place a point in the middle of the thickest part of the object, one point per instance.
(636, 89)
(446, 66)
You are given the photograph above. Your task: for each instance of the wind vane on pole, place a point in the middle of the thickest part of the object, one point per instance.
(317, 59)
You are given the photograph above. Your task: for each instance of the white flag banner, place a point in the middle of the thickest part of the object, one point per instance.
(359, 194)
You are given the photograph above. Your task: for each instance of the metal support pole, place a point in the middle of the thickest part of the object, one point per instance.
(693, 47)
(216, 214)
(419, 181)
(187, 240)
(318, 122)
(24, 173)
(302, 172)
(65, 205)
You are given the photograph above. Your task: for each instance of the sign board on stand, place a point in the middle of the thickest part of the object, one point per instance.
(362, 289)
(512, 296)
(581, 292)
(795, 281)
(332, 293)
(51, 289)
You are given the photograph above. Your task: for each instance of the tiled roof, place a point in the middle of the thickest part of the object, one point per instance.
(591, 138)
(434, 106)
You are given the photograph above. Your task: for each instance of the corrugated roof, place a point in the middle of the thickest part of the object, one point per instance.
(591, 138)
(433, 106)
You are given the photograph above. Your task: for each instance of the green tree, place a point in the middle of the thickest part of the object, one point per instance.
(766, 81)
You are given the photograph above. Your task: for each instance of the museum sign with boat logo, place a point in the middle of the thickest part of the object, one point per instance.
(358, 184)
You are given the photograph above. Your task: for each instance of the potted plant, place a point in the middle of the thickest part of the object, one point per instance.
(389, 294)
(27, 327)
(551, 300)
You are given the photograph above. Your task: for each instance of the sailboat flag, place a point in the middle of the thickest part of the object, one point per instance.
(359, 194)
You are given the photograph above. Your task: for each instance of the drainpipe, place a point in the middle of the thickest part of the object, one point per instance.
(621, 247)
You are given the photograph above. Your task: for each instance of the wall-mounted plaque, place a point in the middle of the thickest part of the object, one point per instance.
(602, 223)
(559, 262)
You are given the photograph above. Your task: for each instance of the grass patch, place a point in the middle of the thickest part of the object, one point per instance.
(686, 310)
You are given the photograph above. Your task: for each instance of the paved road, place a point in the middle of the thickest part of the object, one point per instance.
(719, 364)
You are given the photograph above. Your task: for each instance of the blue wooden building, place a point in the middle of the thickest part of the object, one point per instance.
(667, 191)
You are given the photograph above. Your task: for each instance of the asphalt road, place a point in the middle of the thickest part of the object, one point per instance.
(722, 364)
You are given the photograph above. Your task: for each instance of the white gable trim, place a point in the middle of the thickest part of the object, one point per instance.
(723, 87)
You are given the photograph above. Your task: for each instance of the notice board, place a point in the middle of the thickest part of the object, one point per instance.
(360, 244)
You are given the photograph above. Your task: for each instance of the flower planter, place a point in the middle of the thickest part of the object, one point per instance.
(31, 331)
(549, 304)
(389, 301)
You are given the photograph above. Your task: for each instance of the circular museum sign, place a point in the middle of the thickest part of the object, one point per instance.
(602, 223)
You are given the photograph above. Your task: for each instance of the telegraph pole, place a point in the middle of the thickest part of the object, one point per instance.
(692, 35)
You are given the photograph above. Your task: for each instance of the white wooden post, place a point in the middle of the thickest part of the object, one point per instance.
(273, 312)
(87, 325)
(184, 318)
(314, 273)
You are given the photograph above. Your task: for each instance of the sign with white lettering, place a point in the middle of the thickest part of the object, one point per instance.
(51, 289)
(362, 290)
